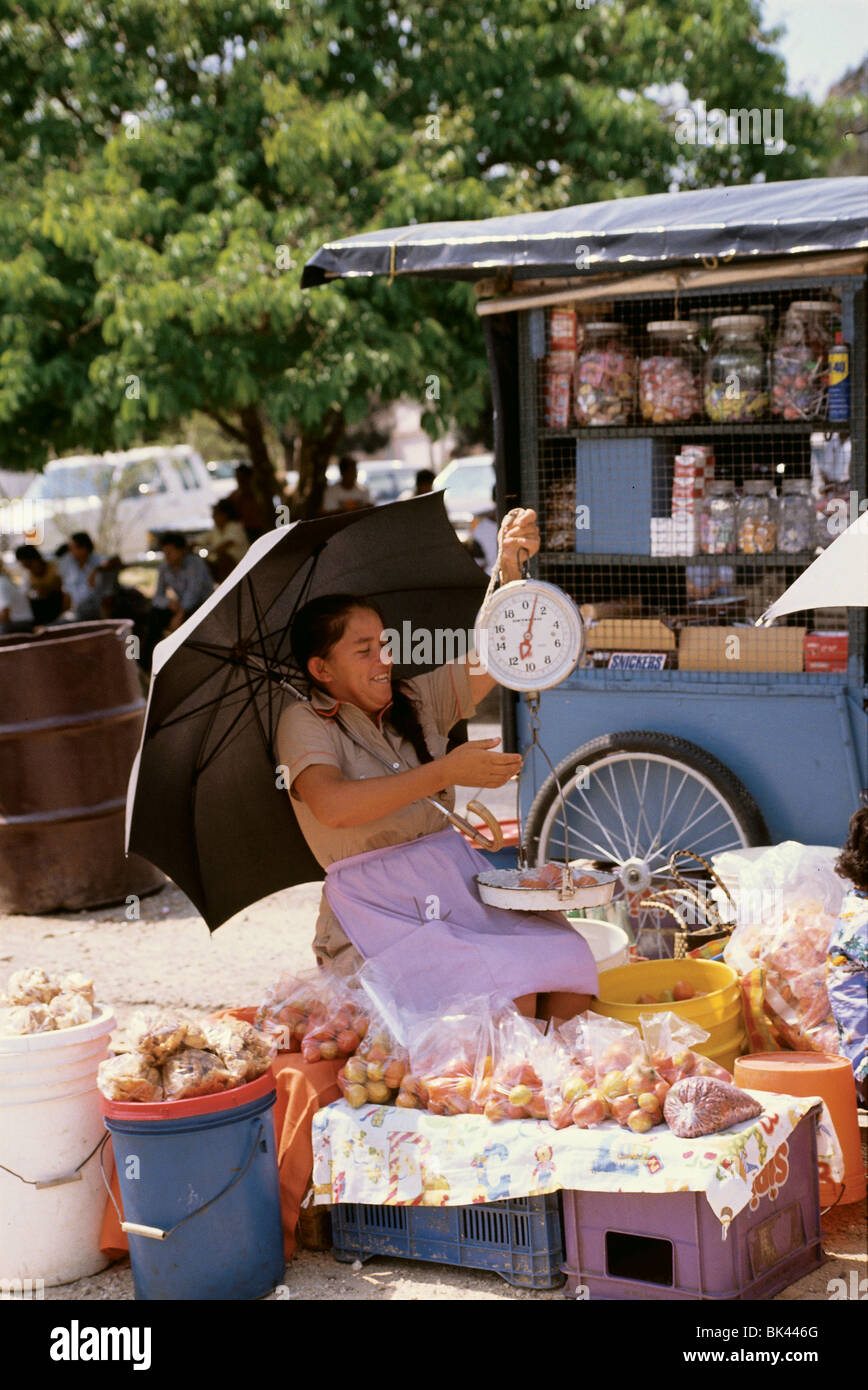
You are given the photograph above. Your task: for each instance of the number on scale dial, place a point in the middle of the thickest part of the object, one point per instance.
(529, 635)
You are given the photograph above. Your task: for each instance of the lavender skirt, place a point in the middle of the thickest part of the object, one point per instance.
(414, 908)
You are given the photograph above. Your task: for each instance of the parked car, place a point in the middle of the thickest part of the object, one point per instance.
(222, 473)
(387, 480)
(469, 487)
(123, 500)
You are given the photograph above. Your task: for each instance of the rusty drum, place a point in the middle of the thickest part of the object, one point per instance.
(71, 715)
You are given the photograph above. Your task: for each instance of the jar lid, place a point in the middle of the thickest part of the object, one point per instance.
(758, 487)
(743, 322)
(817, 306)
(676, 327)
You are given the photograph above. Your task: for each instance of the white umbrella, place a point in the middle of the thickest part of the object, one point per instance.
(837, 578)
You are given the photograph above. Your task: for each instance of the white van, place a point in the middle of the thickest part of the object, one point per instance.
(120, 499)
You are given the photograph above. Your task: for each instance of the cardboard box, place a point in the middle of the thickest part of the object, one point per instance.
(826, 651)
(630, 635)
(741, 648)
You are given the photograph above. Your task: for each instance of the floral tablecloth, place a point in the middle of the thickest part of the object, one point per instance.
(388, 1156)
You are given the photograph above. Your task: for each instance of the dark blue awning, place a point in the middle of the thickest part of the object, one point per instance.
(802, 217)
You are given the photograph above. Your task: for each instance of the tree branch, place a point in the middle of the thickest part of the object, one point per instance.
(226, 427)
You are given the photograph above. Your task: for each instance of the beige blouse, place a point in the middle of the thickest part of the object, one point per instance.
(341, 735)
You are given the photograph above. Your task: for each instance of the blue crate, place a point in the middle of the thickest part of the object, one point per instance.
(520, 1239)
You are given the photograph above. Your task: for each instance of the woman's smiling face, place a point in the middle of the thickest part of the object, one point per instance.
(355, 669)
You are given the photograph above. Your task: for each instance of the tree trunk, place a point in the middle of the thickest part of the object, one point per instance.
(315, 452)
(265, 483)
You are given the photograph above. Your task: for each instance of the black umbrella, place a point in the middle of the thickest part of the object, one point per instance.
(203, 802)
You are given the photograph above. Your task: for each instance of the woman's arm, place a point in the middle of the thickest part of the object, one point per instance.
(518, 532)
(340, 803)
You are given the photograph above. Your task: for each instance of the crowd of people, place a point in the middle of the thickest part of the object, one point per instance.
(79, 584)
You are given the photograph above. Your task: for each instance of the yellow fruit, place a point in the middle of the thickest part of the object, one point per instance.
(356, 1096)
(574, 1088)
(520, 1095)
(356, 1070)
(378, 1092)
(614, 1084)
(640, 1121)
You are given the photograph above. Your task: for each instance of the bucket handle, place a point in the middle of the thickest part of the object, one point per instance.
(156, 1232)
(40, 1183)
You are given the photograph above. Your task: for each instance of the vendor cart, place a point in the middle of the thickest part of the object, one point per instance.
(683, 726)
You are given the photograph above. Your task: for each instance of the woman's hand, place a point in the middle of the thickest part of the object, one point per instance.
(518, 532)
(475, 765)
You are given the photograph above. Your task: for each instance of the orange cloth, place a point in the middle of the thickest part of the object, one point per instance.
(302, 1089)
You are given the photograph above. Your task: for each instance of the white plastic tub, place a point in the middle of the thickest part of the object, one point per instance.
(50, 1122)
(610, 944)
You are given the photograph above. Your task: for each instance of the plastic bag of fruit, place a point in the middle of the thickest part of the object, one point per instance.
(701, 1105)
(626, 1083)
(289, 1003)
(670, 1041)
(338, 1023)
(512, 1087)
(374, 1073)
(448, 1053)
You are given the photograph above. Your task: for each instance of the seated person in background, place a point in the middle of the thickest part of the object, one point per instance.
(226, 542)
(81, 573)
(183, 583)
(483, 537)
(45, 589)
(252, 513)
(16, 615)
(348, 495)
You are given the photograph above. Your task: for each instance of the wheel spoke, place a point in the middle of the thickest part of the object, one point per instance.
(619, 855)
(624, 825)
(688, 825)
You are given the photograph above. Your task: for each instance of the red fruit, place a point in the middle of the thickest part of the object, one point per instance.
(661, 1091)
(310, 1052)
(536, 1107)
(347, 1042)
(589, 1111)
(622, 1107)
(647, 999)
(683, 989)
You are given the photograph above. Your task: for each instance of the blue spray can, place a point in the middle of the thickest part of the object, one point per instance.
(839, 380)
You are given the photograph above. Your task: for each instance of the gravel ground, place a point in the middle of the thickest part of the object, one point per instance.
(169, 958)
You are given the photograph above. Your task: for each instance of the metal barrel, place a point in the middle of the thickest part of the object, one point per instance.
(71, 716)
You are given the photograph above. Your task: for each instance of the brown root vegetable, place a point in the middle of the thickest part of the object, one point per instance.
(701, 1105)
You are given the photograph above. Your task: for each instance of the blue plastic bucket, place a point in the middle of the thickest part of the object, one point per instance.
(199, 1179)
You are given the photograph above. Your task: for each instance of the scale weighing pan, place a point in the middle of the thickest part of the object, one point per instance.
(501, 888)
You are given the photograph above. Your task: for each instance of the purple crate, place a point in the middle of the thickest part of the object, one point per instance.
(669, 1245)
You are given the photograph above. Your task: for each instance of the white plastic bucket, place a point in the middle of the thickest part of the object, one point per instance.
(610, 944)
(50, 1122)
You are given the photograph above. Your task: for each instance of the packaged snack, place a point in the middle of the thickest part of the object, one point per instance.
(156, 1036)
(19, 1019)
(69, 1010)
(39, 1003)
(702, 1105)
(191, 1073)
(31, 986)
(129, 1077)
(337, 1024)
(244, 1051)
(670, 1042)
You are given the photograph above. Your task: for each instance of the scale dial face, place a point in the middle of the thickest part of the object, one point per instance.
(529, 635)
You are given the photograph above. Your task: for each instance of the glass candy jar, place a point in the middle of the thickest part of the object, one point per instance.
(736, 372)
(717, 520)
(757, 519)
(605, 376)
(796, 516)
(669, 373)
(800, 365)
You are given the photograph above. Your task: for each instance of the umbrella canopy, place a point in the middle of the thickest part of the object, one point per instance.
(203, 802)
(750, 220)
(837, 578)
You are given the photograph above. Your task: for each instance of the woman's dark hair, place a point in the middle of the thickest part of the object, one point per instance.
(315, 630)
(226, 508)
(852, 862)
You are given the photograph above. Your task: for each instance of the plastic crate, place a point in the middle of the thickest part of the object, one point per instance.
(520, 1239)
(669, 1245)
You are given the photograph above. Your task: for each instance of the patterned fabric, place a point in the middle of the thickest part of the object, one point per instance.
(847, 981)
(391, 1157)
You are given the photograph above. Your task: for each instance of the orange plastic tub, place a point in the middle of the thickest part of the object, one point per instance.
(815, 1074)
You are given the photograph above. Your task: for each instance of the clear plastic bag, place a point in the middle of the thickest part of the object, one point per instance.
(244, 1051)
(289, 1004)
(374, 1073)
(787, 903)
(512, 1087)
(339, 1022)
(129, 1077)
(670, 1041)
(625, 1078)
(192, 1072)
(701, 1105)
(448, 1055)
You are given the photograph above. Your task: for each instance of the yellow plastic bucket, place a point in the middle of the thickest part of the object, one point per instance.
(718, 1009)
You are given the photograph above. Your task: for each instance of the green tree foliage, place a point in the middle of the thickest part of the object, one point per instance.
(167, 166)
